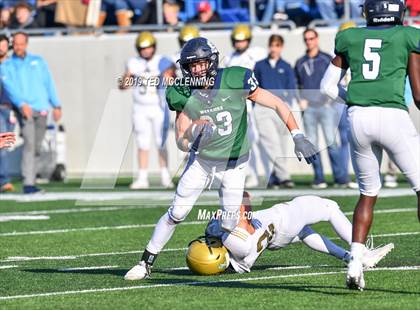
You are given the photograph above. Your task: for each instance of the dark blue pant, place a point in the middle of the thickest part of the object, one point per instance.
(326, 117)
(5, 126)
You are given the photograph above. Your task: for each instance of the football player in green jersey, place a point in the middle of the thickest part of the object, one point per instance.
(379, 57)
(211, 123)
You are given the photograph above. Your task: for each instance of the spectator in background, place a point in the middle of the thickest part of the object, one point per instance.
(206, 14)
(7, 9)
(170, 13)
(7, 139)
(277, 76)
(318, 109)
(23, 17)
(29, 85)
(246, 56)
(7, 120)
(413, 7)
(45, 13)
(124, 11)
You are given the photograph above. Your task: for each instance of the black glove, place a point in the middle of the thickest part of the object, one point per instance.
(305, 149)
(201, 135)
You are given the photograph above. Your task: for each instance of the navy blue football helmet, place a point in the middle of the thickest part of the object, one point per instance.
(379, 12)
(199, 49)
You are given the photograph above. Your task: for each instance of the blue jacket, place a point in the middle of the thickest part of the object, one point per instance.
(280, 80)
(29, 80)
(309, 73)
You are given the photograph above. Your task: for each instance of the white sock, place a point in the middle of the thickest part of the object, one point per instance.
(143, 174)
(164, 174)
(164, 230)
(357, 250)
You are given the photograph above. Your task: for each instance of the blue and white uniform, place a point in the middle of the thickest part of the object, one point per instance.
(150, 112)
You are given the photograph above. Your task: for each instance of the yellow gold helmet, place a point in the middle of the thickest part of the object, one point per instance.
(145, 39)
(241, 32)
(187, 33)
(207, 256)
(347, 25)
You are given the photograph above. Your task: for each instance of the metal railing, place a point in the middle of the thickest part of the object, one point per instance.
(287, 24)
(409, 20)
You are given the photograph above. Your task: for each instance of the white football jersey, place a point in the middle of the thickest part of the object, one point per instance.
(146, 78)
(267, 236)
(247, 59)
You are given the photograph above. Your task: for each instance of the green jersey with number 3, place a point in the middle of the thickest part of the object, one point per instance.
(378, 60)
(224, 105)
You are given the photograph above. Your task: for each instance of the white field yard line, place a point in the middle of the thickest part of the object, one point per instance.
(118, 208)
(87, 268)
(80, 210)
(119, 227)
(8, 267)
(168, 195)
(71, 257)
(58, 231)
(9, 218)
(77, 256)
(198, 283)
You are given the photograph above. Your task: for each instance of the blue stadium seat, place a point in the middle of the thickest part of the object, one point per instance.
(233, 10)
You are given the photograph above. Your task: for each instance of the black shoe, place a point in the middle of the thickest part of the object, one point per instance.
(273, 182)
(287, 184)
(30, 189)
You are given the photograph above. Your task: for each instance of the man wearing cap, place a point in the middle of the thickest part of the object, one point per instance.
(150, 115)
(206, 14)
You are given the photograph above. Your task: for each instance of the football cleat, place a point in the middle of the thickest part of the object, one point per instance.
(355, 279)
(140, 184)
(321, 185)
(390, 181)
(166, 181)
(138, 272)
(373, 256)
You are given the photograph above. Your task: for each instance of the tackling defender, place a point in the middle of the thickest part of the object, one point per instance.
(273, 229)
(379, 57)
(217, 138)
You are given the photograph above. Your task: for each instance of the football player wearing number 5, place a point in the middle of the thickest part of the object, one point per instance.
(218, 138)
(379, 57)
(150, 112)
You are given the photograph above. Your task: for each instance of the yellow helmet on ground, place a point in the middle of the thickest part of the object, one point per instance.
(347, 25)
(241, 32)
(207, 256)
(187, 33)
(145, 39)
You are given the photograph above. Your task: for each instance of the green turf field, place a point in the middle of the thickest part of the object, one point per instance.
(76, 253)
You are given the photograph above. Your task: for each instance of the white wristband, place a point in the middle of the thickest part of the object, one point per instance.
(296, 132)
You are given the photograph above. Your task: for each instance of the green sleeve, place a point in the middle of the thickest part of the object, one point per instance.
(242, 79)
(413, 39)
(341, 44)
(176, 97)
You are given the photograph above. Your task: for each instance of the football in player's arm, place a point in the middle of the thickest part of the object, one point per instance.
(185, 124)
(7, 139)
